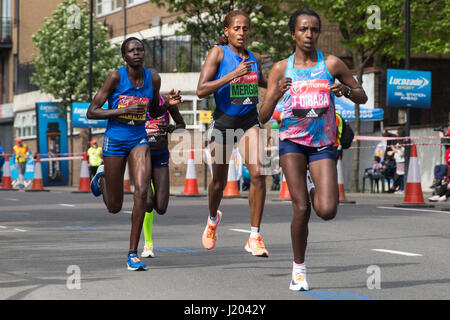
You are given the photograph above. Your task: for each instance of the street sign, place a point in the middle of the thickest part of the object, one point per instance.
(408, 88)
(205, 116)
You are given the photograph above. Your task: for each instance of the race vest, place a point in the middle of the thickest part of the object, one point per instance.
(244, 90)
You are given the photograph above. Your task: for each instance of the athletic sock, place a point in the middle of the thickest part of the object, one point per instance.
(299, 266)
(213, 220)
(148, 227)
(132, 251)
(254, 232)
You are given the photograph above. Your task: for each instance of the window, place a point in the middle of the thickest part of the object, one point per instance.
(25, 124)
(105, 7)
(190, 110)
(135, 2)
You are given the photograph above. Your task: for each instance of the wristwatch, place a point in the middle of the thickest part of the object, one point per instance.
(348, 94)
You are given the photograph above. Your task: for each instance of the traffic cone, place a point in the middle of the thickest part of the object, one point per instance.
(190, 186)
(126, 181)
(413, 191)
(6, 179)
(340, 179)
(85, 182)
(231, 189)
(284, 193)
(37, 184)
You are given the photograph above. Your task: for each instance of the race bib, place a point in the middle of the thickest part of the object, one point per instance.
(125, 101)
(152, 128)
(244, 90)
(310, 98)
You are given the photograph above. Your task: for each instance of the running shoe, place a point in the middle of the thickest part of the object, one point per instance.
(434, 198)
(209, 236)
(298, 281)
(95, 186)
(134, 263)
(256, 247)
(309, 182)
(148, 252)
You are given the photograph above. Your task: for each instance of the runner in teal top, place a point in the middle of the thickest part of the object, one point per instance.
(305, 82)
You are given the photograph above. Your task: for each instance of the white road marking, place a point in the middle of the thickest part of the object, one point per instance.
(3, 227)
(11, 199)
(241, 230)
(410, 209)
(66, 205)
(409, 254)
(21, 230)
(128, 211)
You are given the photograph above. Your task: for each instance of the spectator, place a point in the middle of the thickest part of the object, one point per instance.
(21, 154)
(389, 168)
(445, 137)
(2, 160)
(95, 158)
(398, 152)
(374, 172)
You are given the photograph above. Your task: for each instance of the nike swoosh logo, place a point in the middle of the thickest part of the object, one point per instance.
(323, 148)
(315, 74)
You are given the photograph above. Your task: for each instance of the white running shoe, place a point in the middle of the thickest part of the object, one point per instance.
(298, 281)
(443, 198)
(434, 198)
(309, 182)
(148, 252)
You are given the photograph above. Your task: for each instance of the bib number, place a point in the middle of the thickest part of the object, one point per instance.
(244, 90)
(310, 98)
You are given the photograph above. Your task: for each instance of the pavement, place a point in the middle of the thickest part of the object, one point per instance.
(63, 245)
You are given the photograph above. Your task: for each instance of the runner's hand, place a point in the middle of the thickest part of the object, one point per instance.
(136, 109)
(245, 67)
(174, 97)
(284, 85)
(339, 89)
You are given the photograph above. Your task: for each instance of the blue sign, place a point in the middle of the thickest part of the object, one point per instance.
(347, 111)
(408, 88)
(52, 142)
(79, 110)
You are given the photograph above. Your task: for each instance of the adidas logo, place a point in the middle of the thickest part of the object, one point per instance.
(311, 114)
(131, 123)
(247, 101)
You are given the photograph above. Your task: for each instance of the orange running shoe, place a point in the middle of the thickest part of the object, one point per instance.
(209, 236)
(256, 247)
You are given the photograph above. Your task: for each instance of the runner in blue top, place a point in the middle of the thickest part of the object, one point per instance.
(232, 74)
(305, 83)
(130, 92)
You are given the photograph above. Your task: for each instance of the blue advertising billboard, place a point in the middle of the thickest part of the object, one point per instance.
(80, 120)
(52, 143)
(408, 88)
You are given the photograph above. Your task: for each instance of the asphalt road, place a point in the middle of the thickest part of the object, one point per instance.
(61, 245)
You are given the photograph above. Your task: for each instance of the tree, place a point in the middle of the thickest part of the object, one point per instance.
(61, 58)
(203, 21)
(370, 28)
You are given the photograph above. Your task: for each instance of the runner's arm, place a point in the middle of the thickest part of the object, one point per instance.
(348, 86)
(277, 85)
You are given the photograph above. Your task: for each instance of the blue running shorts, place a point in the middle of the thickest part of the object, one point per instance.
(312, 153)
(160, 158)
(119, 148)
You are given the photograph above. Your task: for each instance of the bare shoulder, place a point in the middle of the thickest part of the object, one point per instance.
(334, 64)
(280, 66)
(216, 54)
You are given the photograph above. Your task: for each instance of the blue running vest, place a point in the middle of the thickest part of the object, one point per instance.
(240, 96)
(129, 127)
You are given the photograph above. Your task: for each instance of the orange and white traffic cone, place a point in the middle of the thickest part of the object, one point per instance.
(284, 193)
(340, 179)
(6, 179)
(37, 184)
(231, 189)
(413, 191)
(190, 185)
(126, 181)
(85, 182)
